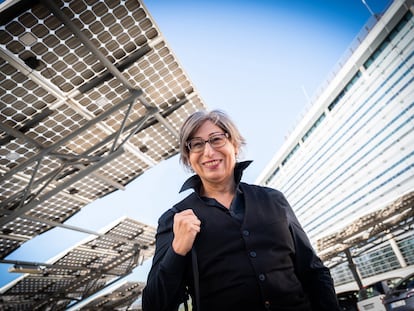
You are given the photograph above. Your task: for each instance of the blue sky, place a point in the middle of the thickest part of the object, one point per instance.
(260, 61)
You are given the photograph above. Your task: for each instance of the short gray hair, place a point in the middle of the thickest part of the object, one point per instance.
(194, 122)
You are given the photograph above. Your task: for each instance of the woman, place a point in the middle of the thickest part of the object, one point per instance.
(228, 244)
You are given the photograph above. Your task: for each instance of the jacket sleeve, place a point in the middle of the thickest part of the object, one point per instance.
(314, 275)
(164, 290)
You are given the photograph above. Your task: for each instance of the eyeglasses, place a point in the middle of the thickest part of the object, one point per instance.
(197, 144)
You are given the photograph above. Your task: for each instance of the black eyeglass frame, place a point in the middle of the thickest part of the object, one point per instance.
(212, 136)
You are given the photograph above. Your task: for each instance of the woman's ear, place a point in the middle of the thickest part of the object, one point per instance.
(190, 166)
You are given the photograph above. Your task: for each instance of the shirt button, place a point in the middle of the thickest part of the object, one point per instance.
(246, 232)
(262, 277)
(253, 254)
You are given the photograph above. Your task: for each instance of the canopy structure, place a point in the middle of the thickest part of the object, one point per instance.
(91, 96)
(368, 231)
(123, 297)
(82, 271)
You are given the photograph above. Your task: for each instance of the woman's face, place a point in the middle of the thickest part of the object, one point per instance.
(214, 166)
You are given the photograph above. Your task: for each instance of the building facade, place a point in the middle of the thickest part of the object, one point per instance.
(348, 167)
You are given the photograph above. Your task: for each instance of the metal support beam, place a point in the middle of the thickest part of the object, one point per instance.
(353, 267)
(18, 134)
(133, 127)
(85, 300)
(19, 212)
(29, 124)
(95, 275)
(69, 137)
(78, 229)
(64, 98)
(37, 265)
(51, 5)
(397, 251)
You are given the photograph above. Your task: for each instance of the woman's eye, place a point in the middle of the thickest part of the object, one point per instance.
(196, 144)
(215, 140)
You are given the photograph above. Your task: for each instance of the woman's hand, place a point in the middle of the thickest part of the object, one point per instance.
(186, 226)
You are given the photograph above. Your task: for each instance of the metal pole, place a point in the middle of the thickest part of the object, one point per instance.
(353, 267)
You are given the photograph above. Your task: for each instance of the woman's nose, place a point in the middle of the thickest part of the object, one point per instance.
(208, 149)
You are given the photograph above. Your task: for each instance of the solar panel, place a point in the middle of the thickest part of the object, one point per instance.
(368, 231)
(124, 297)
(82, 270)
(91, 96)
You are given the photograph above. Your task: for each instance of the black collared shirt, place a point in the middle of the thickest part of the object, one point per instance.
(246, 259)
(236, 209)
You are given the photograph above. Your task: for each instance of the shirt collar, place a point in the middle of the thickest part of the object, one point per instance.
(194, 182)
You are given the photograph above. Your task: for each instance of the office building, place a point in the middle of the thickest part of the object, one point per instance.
(347, 168)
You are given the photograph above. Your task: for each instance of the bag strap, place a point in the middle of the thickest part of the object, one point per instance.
(196, 279)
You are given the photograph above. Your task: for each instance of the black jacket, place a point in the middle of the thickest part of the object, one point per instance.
(264, 263)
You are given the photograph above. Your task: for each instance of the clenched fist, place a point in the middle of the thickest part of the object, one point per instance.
(186, 226)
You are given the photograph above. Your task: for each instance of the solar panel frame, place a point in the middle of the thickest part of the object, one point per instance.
(54, 84)
(84, 269)
(122, 297)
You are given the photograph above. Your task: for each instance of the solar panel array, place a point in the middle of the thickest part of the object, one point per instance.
(83, 270)
(91, 96)
(124, 297)
(368, 231)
